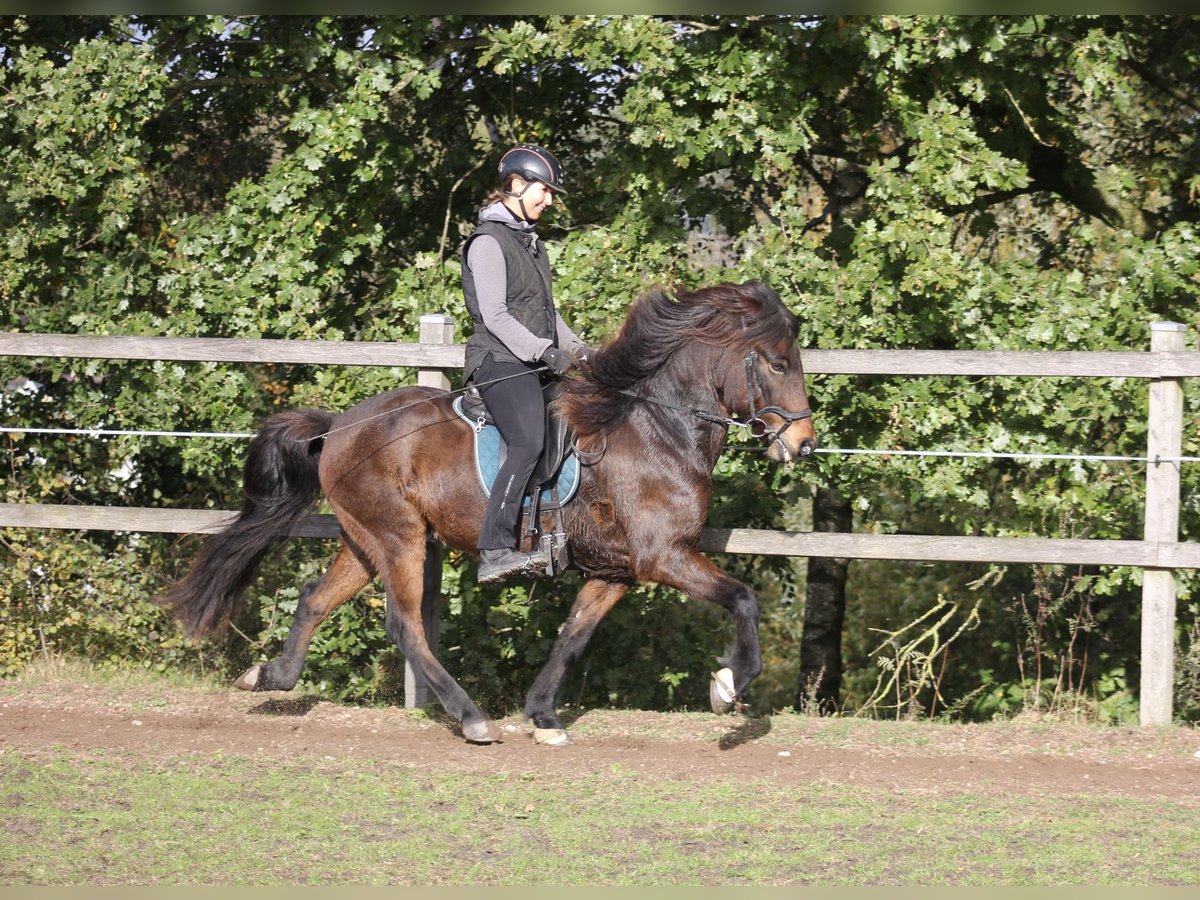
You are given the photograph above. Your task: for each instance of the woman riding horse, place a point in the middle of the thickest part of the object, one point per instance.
(520, 342)
(651, 414)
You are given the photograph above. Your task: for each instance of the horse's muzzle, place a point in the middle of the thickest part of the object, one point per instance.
(781, 450)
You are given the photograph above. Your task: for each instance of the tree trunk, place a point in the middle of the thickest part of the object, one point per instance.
(824, 611)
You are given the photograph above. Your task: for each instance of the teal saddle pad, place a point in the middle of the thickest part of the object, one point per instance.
(489, 456)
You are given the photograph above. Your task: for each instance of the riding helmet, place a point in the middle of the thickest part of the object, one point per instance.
(533, 163)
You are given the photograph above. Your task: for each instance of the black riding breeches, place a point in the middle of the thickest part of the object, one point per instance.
(519, 409)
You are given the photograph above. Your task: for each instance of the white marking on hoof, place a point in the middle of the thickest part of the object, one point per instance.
(249, 679)
(552, 737)
(481, 732)
(720, 691)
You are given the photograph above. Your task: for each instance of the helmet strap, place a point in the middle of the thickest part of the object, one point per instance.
(520, 199)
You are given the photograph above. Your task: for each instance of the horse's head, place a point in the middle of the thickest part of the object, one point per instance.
(778, 411)
(739, 339)
(764, 382)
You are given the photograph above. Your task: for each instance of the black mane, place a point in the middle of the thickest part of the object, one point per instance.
(659, 325)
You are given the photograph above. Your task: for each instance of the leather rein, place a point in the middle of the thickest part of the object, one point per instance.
(754, 424)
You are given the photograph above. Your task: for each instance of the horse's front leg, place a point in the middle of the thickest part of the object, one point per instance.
(592, 604)
(693, 573)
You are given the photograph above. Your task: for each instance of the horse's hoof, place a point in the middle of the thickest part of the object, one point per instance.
(552, 737)
(481, 732)
(720, 691)
(249, 679)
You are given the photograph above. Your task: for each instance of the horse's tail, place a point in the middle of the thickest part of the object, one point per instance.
(279, 484)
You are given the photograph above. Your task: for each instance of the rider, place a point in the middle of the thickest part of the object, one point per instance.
(519, 344)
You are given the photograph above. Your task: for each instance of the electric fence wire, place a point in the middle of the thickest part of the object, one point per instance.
(958, 454)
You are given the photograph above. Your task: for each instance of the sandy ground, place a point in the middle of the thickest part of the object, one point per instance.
(1024, 757)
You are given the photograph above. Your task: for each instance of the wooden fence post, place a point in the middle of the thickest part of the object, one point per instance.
(436, 328)
(1165, 439)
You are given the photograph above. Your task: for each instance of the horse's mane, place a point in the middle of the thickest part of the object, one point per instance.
(658, 325)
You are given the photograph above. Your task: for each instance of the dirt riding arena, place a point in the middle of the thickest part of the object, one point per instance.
(1035, 757)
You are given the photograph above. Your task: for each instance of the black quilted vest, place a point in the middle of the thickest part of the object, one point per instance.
(529, 299)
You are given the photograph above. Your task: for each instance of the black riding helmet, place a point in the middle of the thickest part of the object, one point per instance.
(533, 163)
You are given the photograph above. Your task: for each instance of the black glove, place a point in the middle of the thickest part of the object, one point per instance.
(560, 361)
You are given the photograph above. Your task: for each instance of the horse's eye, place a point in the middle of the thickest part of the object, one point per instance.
(778, 367)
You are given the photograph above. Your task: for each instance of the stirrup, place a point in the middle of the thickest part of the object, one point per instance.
(553, 546)
(513, 562)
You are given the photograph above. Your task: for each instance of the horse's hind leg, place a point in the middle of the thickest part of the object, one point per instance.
(593, 603)
(405, 581)
(416, 691)
(344, 578)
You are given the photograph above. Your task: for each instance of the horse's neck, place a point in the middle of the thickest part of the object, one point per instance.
(676, 428)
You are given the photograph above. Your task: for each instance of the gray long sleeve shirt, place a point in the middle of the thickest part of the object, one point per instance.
(485, 261)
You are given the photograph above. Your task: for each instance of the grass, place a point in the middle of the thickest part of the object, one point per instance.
(107, 819)
(92, 817)
(119, 676)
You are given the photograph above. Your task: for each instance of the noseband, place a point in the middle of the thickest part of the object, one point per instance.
(757, 427)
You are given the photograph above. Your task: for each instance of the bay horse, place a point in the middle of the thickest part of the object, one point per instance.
(650, 415)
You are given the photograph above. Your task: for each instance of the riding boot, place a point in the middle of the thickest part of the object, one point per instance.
(497, 565)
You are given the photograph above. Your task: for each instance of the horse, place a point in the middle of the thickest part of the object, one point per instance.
(650, 413)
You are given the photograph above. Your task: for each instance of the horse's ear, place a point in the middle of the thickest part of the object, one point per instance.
(763, 293)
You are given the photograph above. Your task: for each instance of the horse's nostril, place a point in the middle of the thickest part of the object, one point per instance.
(807, 448)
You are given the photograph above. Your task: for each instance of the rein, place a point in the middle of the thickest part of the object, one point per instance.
(387, 412)
(755, 424)
(690, 410)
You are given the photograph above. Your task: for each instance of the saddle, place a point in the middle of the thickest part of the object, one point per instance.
(555, 478)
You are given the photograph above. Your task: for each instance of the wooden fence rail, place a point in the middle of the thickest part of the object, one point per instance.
(435, 355)
(1165, 365)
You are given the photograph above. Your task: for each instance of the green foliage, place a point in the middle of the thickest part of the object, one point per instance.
(1187, 670)
(86, 598)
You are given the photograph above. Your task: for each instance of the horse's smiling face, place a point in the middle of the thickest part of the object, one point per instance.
(777, 402)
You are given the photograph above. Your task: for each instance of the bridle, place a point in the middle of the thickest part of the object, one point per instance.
(754, 424)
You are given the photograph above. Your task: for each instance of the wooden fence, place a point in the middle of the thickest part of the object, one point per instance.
(1166, 364)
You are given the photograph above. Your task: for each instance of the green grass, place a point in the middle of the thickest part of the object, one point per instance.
(119, 676)
(91, 818)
